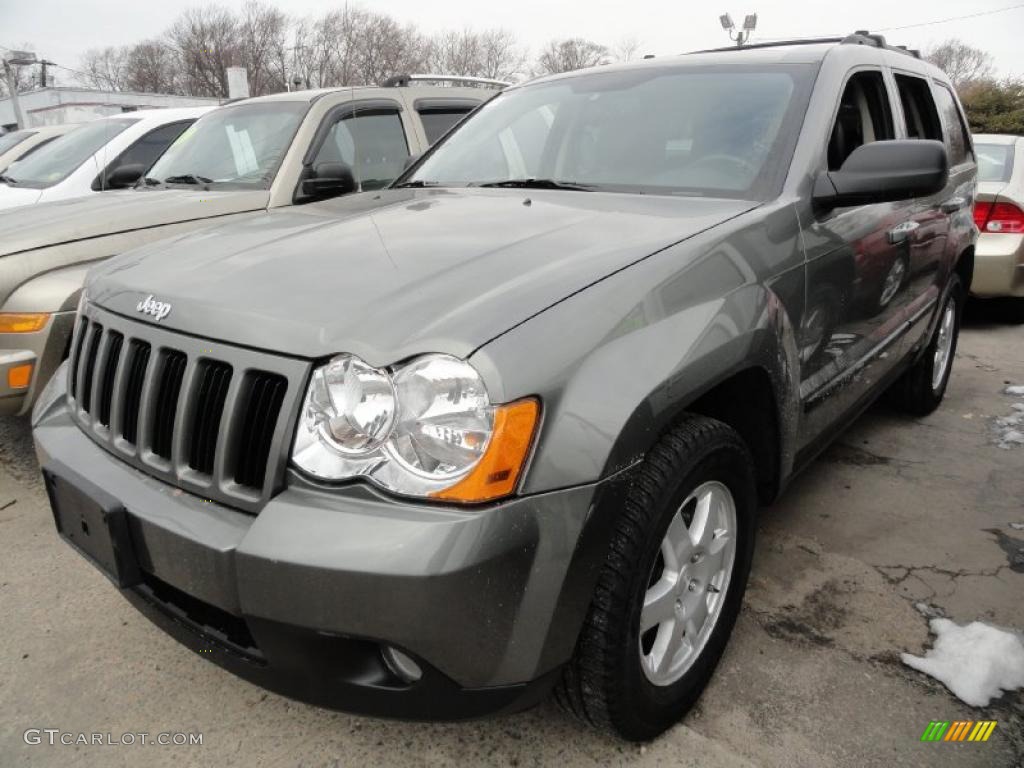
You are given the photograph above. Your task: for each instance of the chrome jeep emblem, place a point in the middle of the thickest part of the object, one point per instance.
(150, 306)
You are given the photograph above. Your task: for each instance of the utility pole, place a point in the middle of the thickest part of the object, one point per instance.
(742, 35)
(17, 58)
(43, 64)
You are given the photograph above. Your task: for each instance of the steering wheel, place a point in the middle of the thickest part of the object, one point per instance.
(741, 164)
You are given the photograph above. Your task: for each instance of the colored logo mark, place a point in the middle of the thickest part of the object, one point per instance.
(958, 730)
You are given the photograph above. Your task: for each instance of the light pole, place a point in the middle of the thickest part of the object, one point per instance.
(18, 58)
(742, 35)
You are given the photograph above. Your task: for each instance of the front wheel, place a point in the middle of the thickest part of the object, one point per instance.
(921, 389)
(670, 590)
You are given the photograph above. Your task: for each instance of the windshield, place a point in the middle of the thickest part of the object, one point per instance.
(11, 140)
(721, 131)
(62, 157)
(239, 146)
(995, 161)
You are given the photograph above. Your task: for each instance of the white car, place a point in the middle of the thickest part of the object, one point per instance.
(108, 153)
(16, 145)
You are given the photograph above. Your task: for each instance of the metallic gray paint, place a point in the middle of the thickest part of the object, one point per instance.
(618, 311)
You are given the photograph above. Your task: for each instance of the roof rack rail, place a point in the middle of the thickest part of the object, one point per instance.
(860, 37)
(400, 81)
(863, 37)
(774, 44)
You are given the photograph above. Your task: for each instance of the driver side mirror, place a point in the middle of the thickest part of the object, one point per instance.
(884, 171)
(122, 177)
(328, 180)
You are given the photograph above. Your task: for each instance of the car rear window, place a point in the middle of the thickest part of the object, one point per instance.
(63, 156)
(995, 161)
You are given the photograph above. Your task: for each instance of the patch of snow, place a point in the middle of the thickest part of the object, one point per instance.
(1009, 430)
(1010, 438)
(1017, 526)
(1015, 389)
(977, 662)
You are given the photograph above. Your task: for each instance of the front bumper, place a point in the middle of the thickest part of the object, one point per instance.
(302, 598)
(43, 349)
(998, 265)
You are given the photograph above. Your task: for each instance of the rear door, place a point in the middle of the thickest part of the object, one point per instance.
(929, 112)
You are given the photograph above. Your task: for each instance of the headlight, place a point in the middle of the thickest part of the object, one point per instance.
(426, 428)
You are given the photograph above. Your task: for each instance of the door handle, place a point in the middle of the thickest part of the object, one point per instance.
(901, 232)
(952, 205)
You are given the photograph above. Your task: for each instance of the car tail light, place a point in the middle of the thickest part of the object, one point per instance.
(1003, 218)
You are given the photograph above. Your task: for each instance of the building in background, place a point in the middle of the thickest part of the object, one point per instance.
(52, 106)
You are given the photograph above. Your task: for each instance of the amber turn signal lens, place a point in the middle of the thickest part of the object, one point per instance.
(16, 322)
(19, 376)
(499, 469)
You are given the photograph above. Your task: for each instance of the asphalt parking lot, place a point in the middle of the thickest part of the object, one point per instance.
(898, 513)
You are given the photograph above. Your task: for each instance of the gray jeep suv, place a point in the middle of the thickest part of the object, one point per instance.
(503, 428)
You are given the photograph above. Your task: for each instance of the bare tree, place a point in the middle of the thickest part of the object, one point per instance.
(492, 53)
(261, 35)
(567, 55)
(388, 48)
(501, 56)
(152, 67)
(207, 42)
(105, 68)
(963, 63)
(626, 49)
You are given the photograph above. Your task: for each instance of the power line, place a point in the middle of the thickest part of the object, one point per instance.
(954, 18)
(895, 29)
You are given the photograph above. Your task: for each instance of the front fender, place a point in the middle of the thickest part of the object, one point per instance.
(613, 383)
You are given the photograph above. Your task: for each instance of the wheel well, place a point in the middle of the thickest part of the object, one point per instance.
(746, 402)
(965, 268)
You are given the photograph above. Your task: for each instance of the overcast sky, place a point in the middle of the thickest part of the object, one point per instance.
(61, 30)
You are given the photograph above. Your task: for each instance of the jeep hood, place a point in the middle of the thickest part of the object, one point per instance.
(39, 226)
(397, 273)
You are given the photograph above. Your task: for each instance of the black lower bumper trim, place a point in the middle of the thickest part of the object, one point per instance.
(337, 672)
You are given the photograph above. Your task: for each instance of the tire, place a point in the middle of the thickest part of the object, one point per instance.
(605, 684)
(920, 390)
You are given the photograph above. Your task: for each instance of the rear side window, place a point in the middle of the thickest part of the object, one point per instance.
(436, 122)
(864, 116)
(371, 142)
(146, 151)
(995, 161)
(956, 132)
(919, 111)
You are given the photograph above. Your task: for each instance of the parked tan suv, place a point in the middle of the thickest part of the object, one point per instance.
(255, 155)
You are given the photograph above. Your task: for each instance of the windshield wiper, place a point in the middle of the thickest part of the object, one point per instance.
(187, 178)
(5, 179)
(536, 184)
(417, 183)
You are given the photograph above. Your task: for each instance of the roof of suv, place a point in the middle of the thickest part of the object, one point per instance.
(429, 90)
(808, 51)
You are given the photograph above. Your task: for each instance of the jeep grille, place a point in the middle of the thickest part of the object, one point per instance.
(212, 419)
